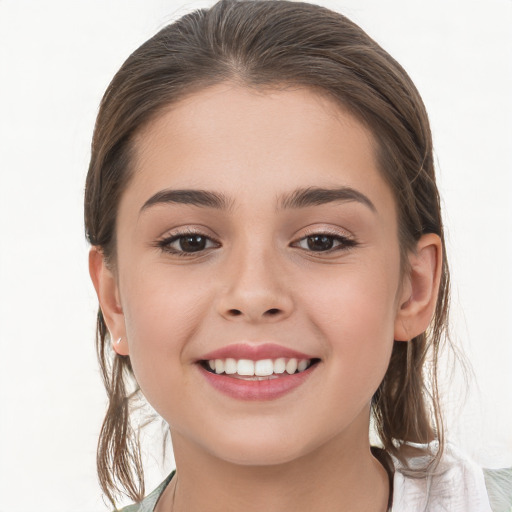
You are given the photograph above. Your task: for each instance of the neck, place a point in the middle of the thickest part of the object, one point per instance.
(339, 475)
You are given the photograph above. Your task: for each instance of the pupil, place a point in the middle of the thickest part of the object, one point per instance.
(320, 243)
(192, 243)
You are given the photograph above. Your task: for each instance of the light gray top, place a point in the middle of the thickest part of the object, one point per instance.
(457, 485)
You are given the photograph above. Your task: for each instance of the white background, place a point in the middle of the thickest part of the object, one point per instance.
(56, 59)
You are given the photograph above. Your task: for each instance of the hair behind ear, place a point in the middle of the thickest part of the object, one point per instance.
(399, 406)
(406, 407)
(118, 458)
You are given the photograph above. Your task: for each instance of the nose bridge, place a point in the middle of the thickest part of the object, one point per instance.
(254, 285)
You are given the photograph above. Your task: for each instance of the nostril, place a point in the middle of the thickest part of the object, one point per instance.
(269, 313)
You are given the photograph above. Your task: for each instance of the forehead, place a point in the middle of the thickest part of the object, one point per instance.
(246, 142)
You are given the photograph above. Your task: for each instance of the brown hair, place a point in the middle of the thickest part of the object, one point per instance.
(272, 44)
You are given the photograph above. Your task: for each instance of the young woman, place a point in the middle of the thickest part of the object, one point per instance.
(268, 254)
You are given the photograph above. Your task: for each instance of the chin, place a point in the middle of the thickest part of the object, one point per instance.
(258, 449)
(258, 456)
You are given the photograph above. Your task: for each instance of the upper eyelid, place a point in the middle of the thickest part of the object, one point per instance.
(335, 233)
(184, 231)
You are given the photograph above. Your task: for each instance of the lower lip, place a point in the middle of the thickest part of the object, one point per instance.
(256, 389)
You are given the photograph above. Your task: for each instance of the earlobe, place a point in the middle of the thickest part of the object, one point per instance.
(107, 290)
(419, 294)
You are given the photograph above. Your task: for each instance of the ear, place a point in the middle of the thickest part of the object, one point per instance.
(420, 288)
(107, 290)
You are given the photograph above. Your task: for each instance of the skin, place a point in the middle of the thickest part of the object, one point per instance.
(259, 282)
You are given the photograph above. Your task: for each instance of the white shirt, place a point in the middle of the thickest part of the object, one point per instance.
(456, 485)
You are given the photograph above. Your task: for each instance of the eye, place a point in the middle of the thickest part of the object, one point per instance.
(323, 242)
(187, 243)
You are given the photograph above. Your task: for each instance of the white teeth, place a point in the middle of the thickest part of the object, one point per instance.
(302, 365)
(264, 367)
(245, 367)
(280, 365)
(260, 368)
(219, 366)
(230, 367)
(291, 366)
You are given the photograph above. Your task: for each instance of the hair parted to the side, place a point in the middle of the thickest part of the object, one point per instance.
(272, 44)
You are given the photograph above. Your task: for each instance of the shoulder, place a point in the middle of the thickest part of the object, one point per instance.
(499, 488)
(149, 502)
(457, 484)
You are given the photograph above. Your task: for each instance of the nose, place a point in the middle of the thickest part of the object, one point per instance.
(254, 288)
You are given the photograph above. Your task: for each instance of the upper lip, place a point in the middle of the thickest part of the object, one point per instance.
(254, 352)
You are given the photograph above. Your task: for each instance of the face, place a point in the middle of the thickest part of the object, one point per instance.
(257, 235)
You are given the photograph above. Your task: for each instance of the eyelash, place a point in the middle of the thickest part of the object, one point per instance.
(344, 242)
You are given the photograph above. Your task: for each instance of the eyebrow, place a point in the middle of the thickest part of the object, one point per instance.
(314, 196)
(300, 198)
(201, 198)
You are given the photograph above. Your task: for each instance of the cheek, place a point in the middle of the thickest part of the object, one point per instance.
(161, 318)
(355, 314)
(161, 303)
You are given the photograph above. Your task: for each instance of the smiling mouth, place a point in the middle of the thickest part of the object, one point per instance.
(263, 369)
